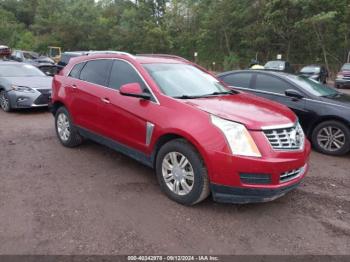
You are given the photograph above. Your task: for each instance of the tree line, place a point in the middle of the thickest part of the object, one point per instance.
(226, 34)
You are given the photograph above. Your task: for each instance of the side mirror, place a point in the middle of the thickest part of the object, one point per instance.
(134, 90)
(293, 93)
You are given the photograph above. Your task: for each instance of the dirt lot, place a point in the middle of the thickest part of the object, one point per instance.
(91, 200)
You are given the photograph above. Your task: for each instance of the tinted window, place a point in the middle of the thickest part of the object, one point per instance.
(238, 80)
(271, 84)
(75, 73)
(96, 71)
(123, 73)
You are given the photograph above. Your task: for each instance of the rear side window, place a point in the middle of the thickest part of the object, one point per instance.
(123, 73)
(75, 72)
(238, 80)
(96, 71)
(271, 84)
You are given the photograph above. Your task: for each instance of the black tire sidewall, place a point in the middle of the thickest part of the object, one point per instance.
(345, 149)
(199, 169)
(72, 140)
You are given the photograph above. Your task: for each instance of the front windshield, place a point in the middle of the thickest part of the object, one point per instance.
(177, 80)
(275, 65)
(19, 70)
(346, 67)
(313, 87)
(310, 69)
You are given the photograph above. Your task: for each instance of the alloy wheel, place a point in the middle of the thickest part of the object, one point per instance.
(63, 127)
(331, 138)
(4, 101)
(178, 173)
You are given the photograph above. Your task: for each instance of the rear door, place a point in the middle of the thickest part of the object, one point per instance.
(87, 91)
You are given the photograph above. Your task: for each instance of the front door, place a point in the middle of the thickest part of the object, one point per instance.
(127, 120)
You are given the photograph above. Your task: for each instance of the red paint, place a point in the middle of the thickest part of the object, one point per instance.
(124, 119)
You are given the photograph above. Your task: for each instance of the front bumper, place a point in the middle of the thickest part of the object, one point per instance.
(241, 180)
(236, 195)
(38, 98)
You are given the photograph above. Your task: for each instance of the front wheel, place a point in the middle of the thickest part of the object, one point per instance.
(66, 132)
(5, 101)
(331, 138)
(181, 173)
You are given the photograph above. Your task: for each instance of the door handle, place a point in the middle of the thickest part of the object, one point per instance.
(74, 86)
(105, 100)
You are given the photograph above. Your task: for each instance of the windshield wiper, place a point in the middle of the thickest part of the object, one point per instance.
(230, 92)
(186, 97)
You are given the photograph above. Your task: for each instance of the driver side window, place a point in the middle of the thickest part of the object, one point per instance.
(123, 73)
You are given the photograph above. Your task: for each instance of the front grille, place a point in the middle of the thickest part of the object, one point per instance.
(259, 179)
(44, 91)
(290, 138)
(43, 99)
(289, 175)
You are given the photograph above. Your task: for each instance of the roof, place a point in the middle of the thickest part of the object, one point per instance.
(143, 58)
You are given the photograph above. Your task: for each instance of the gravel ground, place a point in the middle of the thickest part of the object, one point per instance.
(91, 200)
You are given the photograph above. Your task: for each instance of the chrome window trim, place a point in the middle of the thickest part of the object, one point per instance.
(258, 91)
(123, 60)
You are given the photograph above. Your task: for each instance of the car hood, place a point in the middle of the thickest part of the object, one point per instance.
(35, 82)
(341, 99)
(249, 110)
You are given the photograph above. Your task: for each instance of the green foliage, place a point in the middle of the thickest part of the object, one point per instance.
(227, 32)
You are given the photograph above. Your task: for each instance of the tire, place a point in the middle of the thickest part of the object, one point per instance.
(5, 102)
(328, 135)
(189, 191)
(66, 132)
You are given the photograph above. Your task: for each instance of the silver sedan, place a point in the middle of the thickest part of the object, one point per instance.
(23, 86)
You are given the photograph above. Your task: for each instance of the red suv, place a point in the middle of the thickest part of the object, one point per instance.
(168, 113)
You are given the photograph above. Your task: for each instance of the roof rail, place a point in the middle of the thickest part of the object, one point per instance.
(165, 56)
(92, 52)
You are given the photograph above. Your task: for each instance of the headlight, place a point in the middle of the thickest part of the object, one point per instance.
(22, 89)
(240, 141)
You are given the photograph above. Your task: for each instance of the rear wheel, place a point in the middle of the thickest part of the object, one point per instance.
(181, 173)
(66, 132)
(5, 101)
(332, 138)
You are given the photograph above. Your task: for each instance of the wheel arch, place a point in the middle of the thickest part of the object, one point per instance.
(167, 137)
(324, 119)
(55, 106)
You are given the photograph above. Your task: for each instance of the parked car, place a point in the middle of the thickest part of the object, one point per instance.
(169, 114)
(279, 65)
(323, 112)
(23, 86)
(5, 51)
(44, 63)
(343, 77)
(315, 72)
